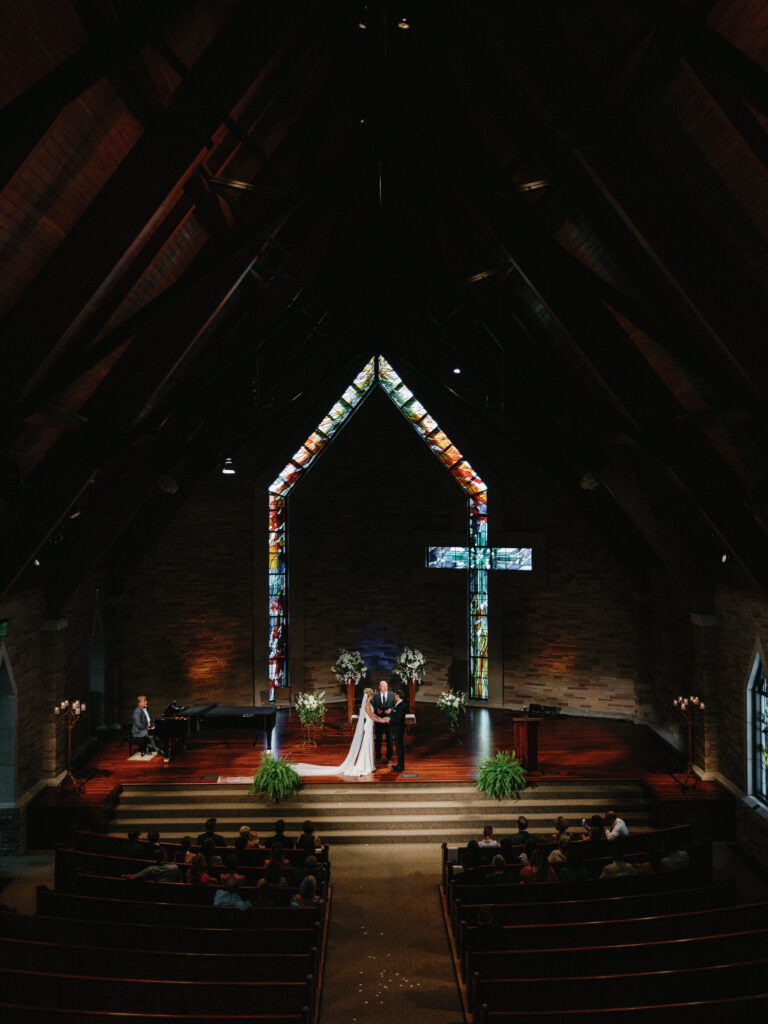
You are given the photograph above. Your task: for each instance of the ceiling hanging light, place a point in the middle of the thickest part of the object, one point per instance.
(228, 469)
(404, 23)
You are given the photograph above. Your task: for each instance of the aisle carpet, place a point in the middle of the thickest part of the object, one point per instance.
(388, 956)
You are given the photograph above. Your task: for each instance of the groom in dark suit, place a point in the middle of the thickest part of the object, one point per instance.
(383, 702)
(397, 728)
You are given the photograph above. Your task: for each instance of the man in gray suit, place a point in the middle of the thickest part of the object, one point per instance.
(141, 726)
(383, 702)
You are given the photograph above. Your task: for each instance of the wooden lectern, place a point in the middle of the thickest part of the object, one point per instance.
(525, 741)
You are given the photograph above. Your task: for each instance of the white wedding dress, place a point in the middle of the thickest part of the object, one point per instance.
(359, 760)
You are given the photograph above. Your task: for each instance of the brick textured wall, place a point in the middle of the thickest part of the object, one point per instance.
(184, 624)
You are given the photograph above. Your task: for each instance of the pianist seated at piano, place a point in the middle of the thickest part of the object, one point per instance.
(143, 728)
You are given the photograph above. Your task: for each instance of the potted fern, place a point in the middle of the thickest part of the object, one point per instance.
(277, 778)
(502, 776)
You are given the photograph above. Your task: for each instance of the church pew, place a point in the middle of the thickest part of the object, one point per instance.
(85, 992)
(68, 862)
(701, 951)
(101, 960)
(744, 917)
(167, 892)
(98, 842)
(589, 909)
(139, 935)
(699, 853)
(25, 1014)
(748, 1009)
(594, 888)
(59, 904)
(621, 990)
(636, 842)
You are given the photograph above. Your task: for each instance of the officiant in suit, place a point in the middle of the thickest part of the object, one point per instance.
(383, 702)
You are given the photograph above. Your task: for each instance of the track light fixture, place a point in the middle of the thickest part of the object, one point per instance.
(228, 469)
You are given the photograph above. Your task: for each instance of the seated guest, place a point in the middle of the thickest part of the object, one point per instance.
(153, 838)
(522, 835)
(615, 827)
(184, 854)
(160, 871)
(230, 870)
(209, 850)
(133, 848)
(488, 839)
(559, 855)
(229, 896)
(539, 870)
(277, 869)
(308, 841)
(674, 860)
(573, 870)
(211, 833)
(246, 839)
(594, 833)
(526, 857)
(307, 894)
(561, 828)
(618, 865)
(198, 871)
(312, 866)
(279, 836)
(500, 873)
(468, 870)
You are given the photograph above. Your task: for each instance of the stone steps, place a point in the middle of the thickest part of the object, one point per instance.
(409, 812)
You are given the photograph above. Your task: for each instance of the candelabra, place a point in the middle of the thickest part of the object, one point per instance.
(689, 707)
(69, 711)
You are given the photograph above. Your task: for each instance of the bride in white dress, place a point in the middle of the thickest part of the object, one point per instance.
(359, 760)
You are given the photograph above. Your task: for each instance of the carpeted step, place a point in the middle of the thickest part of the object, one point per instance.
(409, 812)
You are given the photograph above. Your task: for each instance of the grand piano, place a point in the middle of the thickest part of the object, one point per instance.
(173, 727)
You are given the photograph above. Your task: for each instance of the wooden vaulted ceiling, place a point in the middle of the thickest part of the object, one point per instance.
(213, 208)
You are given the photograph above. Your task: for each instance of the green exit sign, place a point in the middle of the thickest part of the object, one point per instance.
(3, 627)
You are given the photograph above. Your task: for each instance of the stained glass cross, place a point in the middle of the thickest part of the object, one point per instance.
(479, 560)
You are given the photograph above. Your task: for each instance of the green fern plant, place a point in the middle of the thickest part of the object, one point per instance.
(277, 778)
(502, 776)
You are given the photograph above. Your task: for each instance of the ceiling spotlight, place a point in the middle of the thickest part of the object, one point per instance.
(361, 24)
(37, 562)
(404, 23)
(228, 469)
(724, 557)
(457, 369)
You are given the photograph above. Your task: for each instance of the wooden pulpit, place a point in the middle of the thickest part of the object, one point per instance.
(525, 741)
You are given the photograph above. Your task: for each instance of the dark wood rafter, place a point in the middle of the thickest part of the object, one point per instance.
(25, 120)
(135, 200)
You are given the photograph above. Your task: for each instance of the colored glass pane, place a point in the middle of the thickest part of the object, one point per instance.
(303, 457)
(449, 457)
(519, 559)
(365, 378)
(447, 558)
(387, 375)
(316, 442)
(352, 396)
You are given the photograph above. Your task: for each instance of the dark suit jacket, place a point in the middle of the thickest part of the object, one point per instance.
(139, 723)
(379, 705)
(397, 717)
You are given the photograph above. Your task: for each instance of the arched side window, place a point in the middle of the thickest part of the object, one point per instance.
(757, 732)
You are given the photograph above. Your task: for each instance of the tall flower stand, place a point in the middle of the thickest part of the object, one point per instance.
(412, 684)
(311, 732)
(350, 684)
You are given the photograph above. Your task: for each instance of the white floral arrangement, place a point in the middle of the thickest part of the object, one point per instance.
(310, 707)
(453, 705)
(349, 665)
(410, 665)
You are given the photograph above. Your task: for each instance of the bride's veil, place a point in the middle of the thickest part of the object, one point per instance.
(349, 760)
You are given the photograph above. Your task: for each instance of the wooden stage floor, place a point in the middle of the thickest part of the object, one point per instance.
(569, 748)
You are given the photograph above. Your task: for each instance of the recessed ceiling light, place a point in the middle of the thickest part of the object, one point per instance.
(457, 369)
